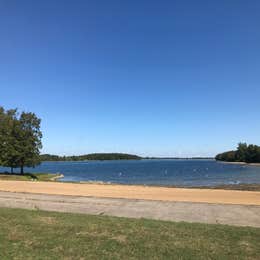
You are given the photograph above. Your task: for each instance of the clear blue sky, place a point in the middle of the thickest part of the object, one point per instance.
(162, 78)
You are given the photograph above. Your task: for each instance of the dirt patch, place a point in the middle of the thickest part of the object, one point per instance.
(15, 235)
(48, 220)
(120, 238)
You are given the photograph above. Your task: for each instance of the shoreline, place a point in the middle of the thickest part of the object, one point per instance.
(215, 196)
(240, 186)
(56, 178)
(241, 163)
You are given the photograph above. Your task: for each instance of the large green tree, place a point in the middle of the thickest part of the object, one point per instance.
(20, 139)
(241, 154)
(253, 153)
(8, 142)
(29, 140)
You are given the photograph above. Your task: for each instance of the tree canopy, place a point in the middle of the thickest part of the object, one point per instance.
(244, 153)
(20, 139)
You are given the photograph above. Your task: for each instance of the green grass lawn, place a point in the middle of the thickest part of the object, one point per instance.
(28, 177)
(26, 234)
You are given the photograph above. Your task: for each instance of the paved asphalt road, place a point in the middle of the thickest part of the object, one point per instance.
(239, 215)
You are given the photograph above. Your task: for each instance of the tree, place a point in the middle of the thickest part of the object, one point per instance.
(29, 140)
(241, 153)
(229, 156)
(20, 139)
(253, 153)
(8, 142)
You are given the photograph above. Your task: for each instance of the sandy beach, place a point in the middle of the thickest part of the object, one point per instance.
(135, 192)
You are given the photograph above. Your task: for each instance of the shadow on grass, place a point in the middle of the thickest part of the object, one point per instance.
(32, 176)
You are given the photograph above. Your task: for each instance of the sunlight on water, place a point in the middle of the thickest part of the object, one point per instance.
(154, 172)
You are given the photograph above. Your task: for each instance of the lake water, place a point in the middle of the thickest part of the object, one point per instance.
(153, 172)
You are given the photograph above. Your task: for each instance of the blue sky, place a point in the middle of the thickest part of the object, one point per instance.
(157, 78)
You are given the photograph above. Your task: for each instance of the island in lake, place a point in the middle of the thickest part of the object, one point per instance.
(92, 156)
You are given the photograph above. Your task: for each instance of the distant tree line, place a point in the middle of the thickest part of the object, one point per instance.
(178, 158)
(92, 156)
(244, 153)
(20, 139)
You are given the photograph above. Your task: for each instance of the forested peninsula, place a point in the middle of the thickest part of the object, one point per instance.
(244, 153)
(92, 156)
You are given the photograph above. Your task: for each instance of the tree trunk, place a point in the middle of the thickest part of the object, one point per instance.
(21, 169)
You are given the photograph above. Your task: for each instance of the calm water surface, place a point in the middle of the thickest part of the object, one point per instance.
(154, 172)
